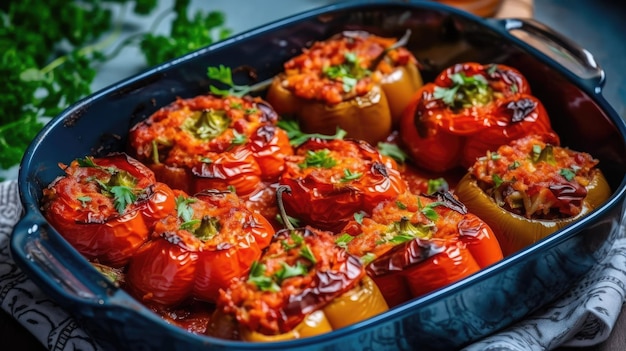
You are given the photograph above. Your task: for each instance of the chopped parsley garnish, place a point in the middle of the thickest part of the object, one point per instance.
(294, 221)
(297, 136)
(84, 200)
(343, 240)
(86, 162)
(465, 91)
(437, 184)
(305, 251)
(287, 271)
(349, 72)
(224, 75)
(238, 139)
(393, 151)
(348, 175)
(122, 197)
(367, 258)
(319, 159)
(400, 205)
(543, 155)
(429, 210)
(298, 242)
(258, 277)
(358, 217)
(183, 210)
(514, 165)
(260, 280)
(121, 186)
(536, 151)
(497, 180)
(567, 173)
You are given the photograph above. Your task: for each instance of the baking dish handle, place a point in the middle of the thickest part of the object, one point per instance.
(576, 59)
(46, 261)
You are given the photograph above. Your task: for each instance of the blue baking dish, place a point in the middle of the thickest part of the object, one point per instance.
(564, 76)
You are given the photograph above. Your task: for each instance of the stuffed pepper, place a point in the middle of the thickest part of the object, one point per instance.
(331, 179)
(212, 142)
(468, 109)
(356, 81)
(192, 254)
(105, 207)
(415, 244)
(530, 188)
(303, 285)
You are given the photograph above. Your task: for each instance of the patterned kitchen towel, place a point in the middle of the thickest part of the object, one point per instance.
(21, 298)
(584, 317)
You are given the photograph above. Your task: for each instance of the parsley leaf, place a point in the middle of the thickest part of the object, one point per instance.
(297, 136)
(393, 151)
(567, 173)
(259, 279)
(358, 217)
(318, 158)
(183, 210)
(287, 271)
(51, 49)
(465, 91)
(122, 197)
(349, 72)
(224, 75)
(437, 184)
(187, 33)
(343, 240)
(348, 175)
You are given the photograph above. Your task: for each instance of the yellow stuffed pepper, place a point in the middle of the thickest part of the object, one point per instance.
(355, 81)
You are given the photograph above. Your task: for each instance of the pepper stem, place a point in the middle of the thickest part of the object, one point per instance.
(401, 42)
(281, 206)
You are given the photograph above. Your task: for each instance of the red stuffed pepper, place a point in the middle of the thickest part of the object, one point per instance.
(303, 285)
(531, 187)
(468, 109)
(331, 180)
(356, 81)
(212, 142)
(416, 244)
(197, 251)
(105, 207)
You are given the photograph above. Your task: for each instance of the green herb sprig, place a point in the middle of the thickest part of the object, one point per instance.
(51, 50)
(297, 137)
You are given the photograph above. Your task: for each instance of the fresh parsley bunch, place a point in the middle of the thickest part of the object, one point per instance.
(50, 50)
(186, 34)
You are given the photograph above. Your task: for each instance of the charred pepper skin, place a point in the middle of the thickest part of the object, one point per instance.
(85, 206)
(331, 180)
(212, 142)
(194, 255)
(468, 109)
(416, 244)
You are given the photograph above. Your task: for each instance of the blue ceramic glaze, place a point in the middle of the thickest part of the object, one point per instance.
(446, 319)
